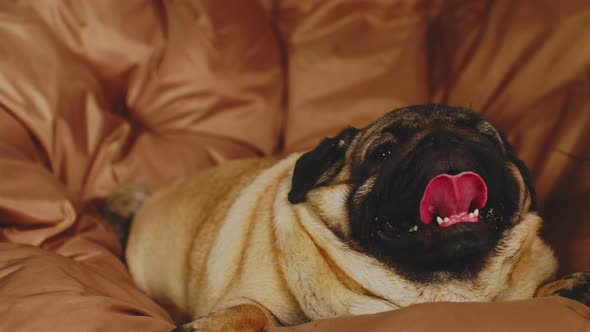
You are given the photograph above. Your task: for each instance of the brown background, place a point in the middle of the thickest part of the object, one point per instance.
(95, 94)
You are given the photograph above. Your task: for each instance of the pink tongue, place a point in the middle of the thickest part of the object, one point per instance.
(447, 195)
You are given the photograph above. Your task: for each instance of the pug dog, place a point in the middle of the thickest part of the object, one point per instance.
(428, 203)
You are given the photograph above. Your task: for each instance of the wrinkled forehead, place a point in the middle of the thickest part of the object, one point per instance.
(426, 117)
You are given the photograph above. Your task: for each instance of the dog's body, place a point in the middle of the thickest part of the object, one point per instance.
(257, 242)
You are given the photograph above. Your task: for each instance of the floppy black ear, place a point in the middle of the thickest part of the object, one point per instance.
(313, 165)
(526, 175)
(524, 170)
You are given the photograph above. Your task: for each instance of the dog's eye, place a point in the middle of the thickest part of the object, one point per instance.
(382, 153)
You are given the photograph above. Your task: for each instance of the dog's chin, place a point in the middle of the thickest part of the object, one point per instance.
(423, 251)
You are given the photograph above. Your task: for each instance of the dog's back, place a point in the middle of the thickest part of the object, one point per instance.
(174, 225)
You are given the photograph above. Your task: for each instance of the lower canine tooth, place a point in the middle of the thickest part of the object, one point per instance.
(476, 212)
(439, 220)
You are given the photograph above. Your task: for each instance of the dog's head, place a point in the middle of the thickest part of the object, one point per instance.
(425, 189)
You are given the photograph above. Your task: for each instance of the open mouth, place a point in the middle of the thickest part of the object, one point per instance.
(453, 199)
(447, 200)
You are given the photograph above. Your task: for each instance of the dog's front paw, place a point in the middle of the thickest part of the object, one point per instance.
(208, 324)
(574, 286)
(247, 318)
(194, 326)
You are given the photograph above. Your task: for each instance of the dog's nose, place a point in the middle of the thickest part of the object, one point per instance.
(441, 138)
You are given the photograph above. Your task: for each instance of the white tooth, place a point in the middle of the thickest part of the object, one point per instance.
(415, 228)
(476, 212)
(446, 219)
(439, 220)
(471, 215)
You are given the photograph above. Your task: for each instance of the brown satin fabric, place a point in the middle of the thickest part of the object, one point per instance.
(555, 314)
(95, 94)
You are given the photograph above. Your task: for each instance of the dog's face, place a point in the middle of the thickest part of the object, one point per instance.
(428, 189)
